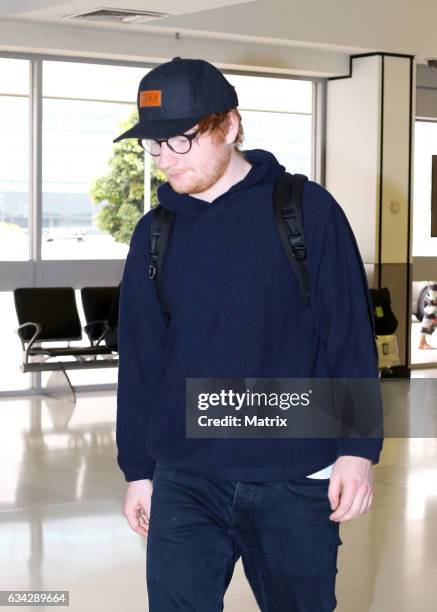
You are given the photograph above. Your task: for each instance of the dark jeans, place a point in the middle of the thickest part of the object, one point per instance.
(200, 527)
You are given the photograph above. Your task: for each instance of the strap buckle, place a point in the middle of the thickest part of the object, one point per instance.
(152, 271)
(300, 252)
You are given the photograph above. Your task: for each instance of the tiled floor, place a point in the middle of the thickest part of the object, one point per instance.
(62, 527)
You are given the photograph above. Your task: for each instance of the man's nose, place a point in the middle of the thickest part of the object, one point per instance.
(166, 157)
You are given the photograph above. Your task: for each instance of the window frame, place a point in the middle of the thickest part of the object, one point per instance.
(39, 272)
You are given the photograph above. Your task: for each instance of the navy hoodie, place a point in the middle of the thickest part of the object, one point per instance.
(236, 311)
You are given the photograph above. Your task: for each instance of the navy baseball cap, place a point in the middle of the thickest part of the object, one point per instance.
(176, 95)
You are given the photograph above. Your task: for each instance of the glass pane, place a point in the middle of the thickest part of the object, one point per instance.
(14, 159)
(423, 328)
(83, 108)
(11, 353)
(272, 94)
(83, 81)
(423, 323)
(15, 77)
(277, 116)
(425, 146)
(285, 135)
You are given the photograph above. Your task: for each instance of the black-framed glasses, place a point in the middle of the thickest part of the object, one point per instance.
(178, 144)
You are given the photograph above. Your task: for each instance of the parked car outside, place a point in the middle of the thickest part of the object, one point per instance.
(420, 290)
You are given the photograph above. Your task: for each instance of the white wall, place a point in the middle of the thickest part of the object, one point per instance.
(395, 163)
(352, 149)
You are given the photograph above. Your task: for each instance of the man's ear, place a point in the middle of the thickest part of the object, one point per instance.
(232, 127)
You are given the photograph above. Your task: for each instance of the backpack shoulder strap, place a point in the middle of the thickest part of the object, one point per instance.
(160, 227)
(288, 202)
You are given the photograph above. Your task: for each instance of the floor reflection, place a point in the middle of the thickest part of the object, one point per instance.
(62, 527)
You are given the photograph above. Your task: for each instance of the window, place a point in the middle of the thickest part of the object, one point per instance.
(277, 116)
(83, 105)
(425, 147)
(424, 239)
(14, 159)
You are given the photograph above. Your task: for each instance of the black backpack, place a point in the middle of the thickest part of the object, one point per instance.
(287, 202)
(385, 320)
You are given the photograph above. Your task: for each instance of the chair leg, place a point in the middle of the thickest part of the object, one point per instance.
(60, 387)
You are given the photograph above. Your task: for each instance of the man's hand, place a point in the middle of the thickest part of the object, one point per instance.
(351, 487)
(137, 505)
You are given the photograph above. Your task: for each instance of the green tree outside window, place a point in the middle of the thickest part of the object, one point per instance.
(122, 189)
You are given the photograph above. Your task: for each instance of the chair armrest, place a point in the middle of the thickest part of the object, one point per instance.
(30, 342)
(89, 327)
(37, 327)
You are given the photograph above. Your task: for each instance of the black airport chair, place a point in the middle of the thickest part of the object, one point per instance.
(100, 307)
(49, 314)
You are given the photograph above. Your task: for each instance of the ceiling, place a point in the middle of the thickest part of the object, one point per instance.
(50, 10)
(345, 26)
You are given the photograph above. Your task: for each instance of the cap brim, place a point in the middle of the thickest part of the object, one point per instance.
(159, 129)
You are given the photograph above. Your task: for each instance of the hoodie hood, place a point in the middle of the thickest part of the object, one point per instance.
(265, 169)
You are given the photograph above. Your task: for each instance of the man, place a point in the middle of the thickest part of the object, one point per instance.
(236, 311)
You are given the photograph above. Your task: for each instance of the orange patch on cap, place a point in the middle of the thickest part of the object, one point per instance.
(150, 97)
